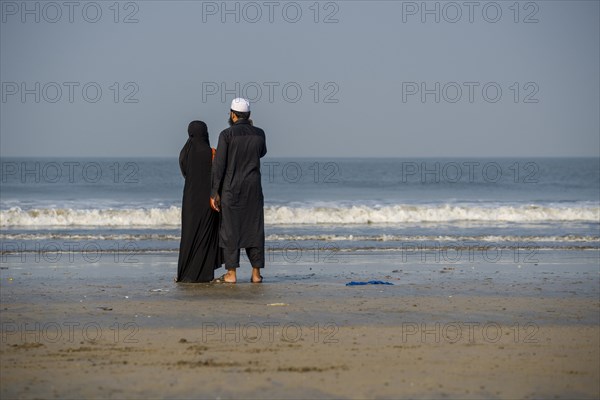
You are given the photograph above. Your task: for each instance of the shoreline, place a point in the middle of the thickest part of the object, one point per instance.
(477, 330)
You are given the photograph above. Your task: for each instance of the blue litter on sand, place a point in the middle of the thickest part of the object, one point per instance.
(353, 283)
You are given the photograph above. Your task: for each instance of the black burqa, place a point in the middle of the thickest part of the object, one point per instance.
(237, 179)
(199, 253)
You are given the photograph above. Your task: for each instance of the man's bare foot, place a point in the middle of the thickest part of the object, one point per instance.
(256, 277)
(229, 277)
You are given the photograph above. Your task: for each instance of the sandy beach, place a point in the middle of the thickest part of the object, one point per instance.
(421, 180)
(114, 329)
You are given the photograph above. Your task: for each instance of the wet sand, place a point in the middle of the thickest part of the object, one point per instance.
(115, 329)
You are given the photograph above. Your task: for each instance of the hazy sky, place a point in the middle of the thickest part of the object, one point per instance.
(339, 78)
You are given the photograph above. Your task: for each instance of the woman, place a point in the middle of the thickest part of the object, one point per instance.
(199, 253)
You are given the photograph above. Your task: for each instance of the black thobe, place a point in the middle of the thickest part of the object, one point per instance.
(199, 253)
(236, 178)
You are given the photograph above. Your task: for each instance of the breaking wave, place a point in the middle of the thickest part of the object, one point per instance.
(315, 215)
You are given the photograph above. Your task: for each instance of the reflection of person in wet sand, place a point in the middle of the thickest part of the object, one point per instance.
(237, 192)
(199, 248)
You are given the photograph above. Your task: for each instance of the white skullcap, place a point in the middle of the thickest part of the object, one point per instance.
(241, 105)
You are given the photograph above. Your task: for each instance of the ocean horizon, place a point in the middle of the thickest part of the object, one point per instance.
(332, 203)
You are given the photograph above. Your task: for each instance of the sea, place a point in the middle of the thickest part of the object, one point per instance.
(450, 210)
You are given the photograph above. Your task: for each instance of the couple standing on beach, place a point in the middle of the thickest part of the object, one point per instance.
(222, 210)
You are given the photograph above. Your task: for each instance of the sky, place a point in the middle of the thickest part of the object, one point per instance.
(325, 79)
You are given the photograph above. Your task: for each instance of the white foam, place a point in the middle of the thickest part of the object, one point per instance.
(139, 217)
(319, 237)
(422, 213)
(440, 239)
(286, 215)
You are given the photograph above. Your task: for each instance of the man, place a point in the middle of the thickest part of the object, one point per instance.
(237, 192)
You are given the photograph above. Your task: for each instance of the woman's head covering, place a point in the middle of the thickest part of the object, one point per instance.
(198, 130)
